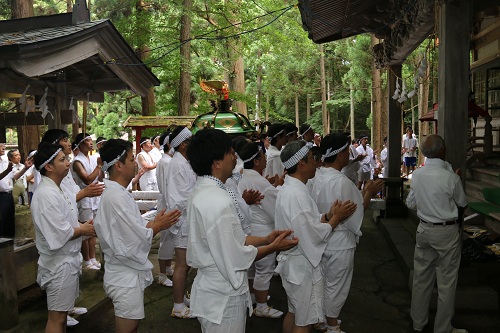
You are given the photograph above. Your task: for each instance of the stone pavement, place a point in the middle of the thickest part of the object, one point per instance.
(379, 300)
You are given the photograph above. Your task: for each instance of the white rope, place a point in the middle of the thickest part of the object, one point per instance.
(302, 135)
(165, 141)
(32, 154)
(298, 156)
(254, 155)
(103, 140)
(330, 153)
(107, 165)
(50, 159)
(87, 137)
(275, 135)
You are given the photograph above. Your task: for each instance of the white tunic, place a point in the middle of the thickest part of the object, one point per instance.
(124, 238)
(161, 168)
(6, 183)
(217, 248)
(385, 160)
(245, 209)
(274, 165)
(366, 163)
(180, 181)
(148, 180)
(296, 210)
(89, 164)
(351, 170)
(55, 215)
(332, 185)
(156, 154)
(263, 214)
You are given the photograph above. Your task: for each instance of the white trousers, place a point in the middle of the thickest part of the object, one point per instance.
(337, 270)
(233, 319)
(262, 272)
(437, 256)
(166, 249)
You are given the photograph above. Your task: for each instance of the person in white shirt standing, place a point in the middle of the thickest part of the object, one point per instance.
(217, 245)
(180, 180)
(351, 169)
(438, 194)
(7, 206)
(338, 259)
(148, 181)
(299, 267)
(58, 236)
(166, 249)
(125, 237)
(410, 145)
(19, 188)
(261, 272)
(277, 135)
(87, 170)
(366, 163)
(156, 151)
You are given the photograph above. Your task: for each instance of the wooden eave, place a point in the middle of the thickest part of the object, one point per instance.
(33, 62)
(160, 121)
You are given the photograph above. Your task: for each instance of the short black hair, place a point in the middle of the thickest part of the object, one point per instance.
(44, 152)
(207, 146)
(11, 152)
(144, 139)
(273, 130)
(238, 143)
(353, 141)
(248, 151)
(333, 141)
(305, 127)
(100, 138)
(53, 136)
(80, 137)
(174, 133)
(74, 145)
(162, 138)
(316, 151)
(112, 148)
(385, 139)
(291, 149)
(290, 128)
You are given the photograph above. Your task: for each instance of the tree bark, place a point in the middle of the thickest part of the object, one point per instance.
(323, 90)
(21, 9)
(259, 87)
(352, 112)
(308, 107)
(267, 108)
(148, 102)
(185, 74)
(297, 123)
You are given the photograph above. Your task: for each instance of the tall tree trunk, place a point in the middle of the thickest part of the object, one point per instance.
(353, 135)
(308, 115)
(185, 75)
(28, 137)
(296, 105)
(267, 108)
(323, 90)
(148, 102)
(259, 87)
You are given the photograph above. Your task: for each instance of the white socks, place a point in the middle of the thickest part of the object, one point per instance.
(179, 306)
(262, 306)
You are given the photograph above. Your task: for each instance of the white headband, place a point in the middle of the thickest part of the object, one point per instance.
(287, 134)
(329, 152)
(298, 156)
(305, 131)
(275, 135)
(50, 159)
(364, 137)
(254, 155)
(143, 142)
(76, 147)
(107, 165)
(165, 141)
(88, 136)
(32, 154)
(181, 137)
(103, 140)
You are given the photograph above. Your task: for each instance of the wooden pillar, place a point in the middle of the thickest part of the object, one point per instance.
(138, 136)
(453, 79)
(9, 315)
(393, 130)
(76, 125)
(3, 134)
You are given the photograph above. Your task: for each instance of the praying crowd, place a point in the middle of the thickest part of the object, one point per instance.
(238, 210)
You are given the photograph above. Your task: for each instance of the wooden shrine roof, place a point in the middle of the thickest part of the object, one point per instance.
(158, 121)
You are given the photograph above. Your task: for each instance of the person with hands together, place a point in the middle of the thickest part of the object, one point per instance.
(125, 237)
(299, 267)
(217, 245)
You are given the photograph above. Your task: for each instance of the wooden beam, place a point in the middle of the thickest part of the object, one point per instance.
(488, 35)
(33, 118)
(453, 80)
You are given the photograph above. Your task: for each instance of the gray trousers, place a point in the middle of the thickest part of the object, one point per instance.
(437, 257)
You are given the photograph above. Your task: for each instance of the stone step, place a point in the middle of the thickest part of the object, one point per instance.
(474, 188)
(487, 175)
(469, 294)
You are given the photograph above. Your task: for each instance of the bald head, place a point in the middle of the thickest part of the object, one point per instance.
(431, 146)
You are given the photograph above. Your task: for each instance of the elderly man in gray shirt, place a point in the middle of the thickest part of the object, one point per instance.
(438, 193)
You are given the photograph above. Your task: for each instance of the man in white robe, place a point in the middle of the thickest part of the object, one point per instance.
(125, 238)
(384, 159)
(217, 244)
(300, 267)
(58, 236)
(366, 164)
(338, 258)
(261, 272)
(180, 180)
(148, 181)
(87, 170)
(277, 135)
(306, 133)
(156, 151)
(166, 249)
